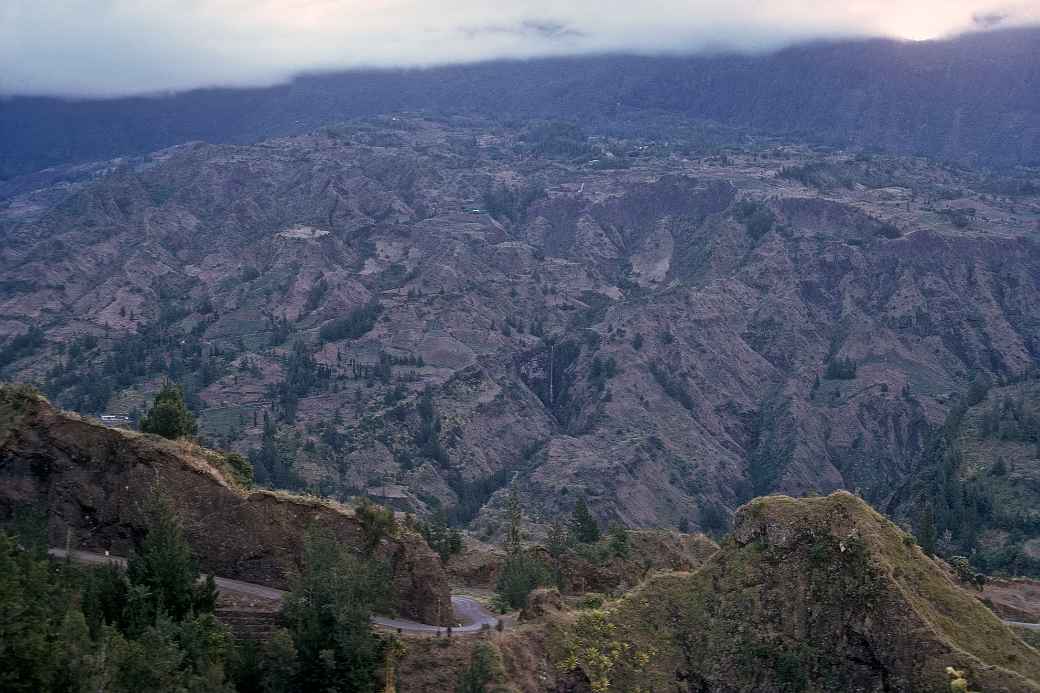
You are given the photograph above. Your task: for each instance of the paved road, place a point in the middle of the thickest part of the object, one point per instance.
(1019, 624)
(470, 615)
(223, 584)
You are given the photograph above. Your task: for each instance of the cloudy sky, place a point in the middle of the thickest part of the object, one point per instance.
(111, 47)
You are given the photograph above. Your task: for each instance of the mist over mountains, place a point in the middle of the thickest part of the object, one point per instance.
(968, 99)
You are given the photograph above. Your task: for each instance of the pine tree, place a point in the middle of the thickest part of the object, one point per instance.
(556, 541)
(521, 573)
(328, 616)
(619, 541)
(169, 417)
(164, 572)
(926, 530)
(515, 537)
(583, 524)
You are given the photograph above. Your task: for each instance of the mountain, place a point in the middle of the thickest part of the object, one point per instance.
(815, 594)
(93, 483)
(971, 98)
(425, 311)
(978, 480)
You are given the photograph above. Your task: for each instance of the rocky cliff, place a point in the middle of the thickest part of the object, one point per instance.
(94, 483)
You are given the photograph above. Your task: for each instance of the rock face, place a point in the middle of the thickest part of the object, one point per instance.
(667, 339)
(93, 483)
(818, 594)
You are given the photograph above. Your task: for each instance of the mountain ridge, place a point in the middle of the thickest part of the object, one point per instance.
(896, 96)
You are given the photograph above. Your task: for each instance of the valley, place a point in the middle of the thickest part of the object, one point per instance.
(522, 347)
(425, 311)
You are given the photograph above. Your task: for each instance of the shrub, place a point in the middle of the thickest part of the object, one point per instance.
(377, 523)
(520, 575)
(485, 667)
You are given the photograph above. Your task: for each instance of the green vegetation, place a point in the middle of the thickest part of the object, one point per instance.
(772, 446)
(554, 389)
(601, 370)
(840, 368)
(377, 523)
(472, 495)
(508, 203)
(428, 438)
(974, 485)
(237, 468)
(758, 219)
(926, 530)
(557, 139)
(619, 543)
(802, 573)
(302, 375)
(821, 175)
(610, 661)
(521, 573)
(444, 540)
(673, 385)
(1011, 419)
(328, 616)
(151, 628)
(485, 667)
(164, 572)
(316, 294)
(21, 345)
(354, 325)
(584, 528)
(171, 346)
(272, 463)
(169, 417)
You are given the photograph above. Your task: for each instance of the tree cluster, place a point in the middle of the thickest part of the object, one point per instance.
(169, 416)
(148, 628)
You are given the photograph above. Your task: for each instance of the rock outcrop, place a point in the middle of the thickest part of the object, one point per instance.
(94, 482)
(818, 594)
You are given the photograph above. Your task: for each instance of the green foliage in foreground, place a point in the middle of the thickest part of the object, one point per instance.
(328, 618)
(67, 628)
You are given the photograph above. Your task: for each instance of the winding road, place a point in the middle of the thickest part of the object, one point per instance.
(1027, 626)
(470, 615)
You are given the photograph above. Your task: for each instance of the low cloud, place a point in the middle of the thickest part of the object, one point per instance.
(114, 47)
